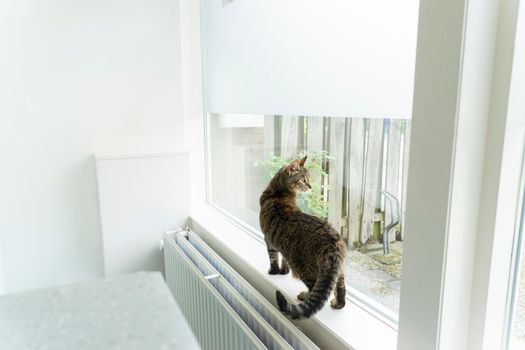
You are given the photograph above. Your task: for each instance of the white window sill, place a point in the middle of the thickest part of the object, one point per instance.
(352, 327)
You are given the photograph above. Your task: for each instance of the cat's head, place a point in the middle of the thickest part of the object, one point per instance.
(296, 176)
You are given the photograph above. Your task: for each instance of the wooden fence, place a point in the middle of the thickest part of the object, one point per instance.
(369, 155)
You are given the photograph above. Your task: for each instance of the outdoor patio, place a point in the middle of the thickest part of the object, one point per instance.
(376, 275)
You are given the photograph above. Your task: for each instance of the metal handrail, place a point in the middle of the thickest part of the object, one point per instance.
(394, 209)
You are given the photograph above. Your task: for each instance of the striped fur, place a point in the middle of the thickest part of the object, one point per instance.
(309, 246)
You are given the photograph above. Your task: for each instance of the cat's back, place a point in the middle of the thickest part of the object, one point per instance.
(316, 228)
(275, 213)
(288, 222)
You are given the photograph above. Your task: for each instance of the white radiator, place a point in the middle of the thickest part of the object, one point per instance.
(224, 311)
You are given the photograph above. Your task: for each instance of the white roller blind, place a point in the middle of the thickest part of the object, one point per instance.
(352, 58)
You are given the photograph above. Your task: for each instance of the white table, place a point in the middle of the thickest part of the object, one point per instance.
(134, 311)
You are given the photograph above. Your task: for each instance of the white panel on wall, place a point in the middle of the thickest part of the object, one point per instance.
(140, 197)
(308, 57)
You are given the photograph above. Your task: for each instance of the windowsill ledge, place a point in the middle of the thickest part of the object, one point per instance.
(352, 327)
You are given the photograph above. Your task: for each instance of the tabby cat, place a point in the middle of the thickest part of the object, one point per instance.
(309, 246)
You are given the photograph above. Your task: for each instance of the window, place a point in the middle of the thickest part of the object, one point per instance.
(358, 169)
(357, 60)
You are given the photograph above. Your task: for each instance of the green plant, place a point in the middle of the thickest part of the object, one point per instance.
(313, 202)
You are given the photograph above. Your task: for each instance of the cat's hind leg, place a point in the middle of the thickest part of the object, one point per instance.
(340, 292)
(304, 294)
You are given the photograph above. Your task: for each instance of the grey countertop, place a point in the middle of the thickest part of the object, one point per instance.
(135, 311)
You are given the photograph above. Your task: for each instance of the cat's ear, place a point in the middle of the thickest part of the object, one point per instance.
(302, 161)
(293, 167)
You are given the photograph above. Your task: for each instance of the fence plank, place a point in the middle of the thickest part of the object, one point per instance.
(301, 137)
(406, 151)
(335, 172)
(289, 137)
(314, 143)
(392, 168)
(314, 137)
(355, 178)
(372, 177)
(269, 135)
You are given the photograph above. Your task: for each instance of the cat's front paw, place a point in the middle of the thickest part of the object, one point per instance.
(337, 305)
(274, 270)
(284, 270)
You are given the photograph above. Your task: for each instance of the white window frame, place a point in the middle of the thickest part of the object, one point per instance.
(466, 126)
(500, 211)
(465, 103)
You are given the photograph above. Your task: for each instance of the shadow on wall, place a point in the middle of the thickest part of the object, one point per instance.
(83, 213)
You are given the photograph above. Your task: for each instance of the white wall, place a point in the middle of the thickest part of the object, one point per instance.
(77, 78)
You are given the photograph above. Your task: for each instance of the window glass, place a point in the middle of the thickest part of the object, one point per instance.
(358, 169)
(517, 292)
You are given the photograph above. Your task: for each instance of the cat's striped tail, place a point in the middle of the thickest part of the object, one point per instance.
(319, 294)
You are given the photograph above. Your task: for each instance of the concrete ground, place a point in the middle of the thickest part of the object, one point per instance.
(376, 275)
